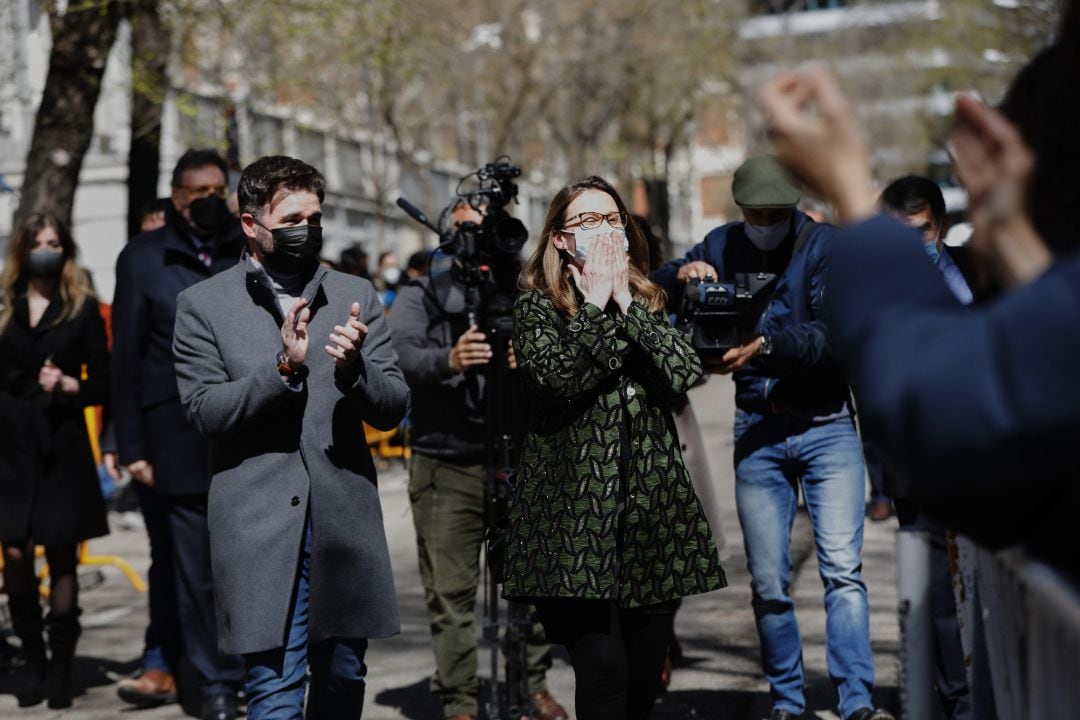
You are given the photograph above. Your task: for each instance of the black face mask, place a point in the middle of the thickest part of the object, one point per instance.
(208, 215)
(294, 246)
(43, 263)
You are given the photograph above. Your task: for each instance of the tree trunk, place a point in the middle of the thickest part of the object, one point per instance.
(149, 58)
(82, 38)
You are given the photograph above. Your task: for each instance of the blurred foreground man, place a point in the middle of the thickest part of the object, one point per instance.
(794, 426)
(163, 453)
(301, 568)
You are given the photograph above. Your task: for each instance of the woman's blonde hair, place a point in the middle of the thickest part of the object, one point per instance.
(547, 270)
(74, 283)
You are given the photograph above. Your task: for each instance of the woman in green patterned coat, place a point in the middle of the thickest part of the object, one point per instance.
(605, 531)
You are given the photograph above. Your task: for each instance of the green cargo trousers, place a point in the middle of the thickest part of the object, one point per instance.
(448, 512)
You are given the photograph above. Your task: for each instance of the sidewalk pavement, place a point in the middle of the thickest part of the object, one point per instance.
(720, 678)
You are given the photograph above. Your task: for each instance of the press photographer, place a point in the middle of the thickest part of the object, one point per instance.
(458, 369)
(794, 425)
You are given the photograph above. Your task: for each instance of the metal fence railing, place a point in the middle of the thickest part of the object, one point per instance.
(1019, 626)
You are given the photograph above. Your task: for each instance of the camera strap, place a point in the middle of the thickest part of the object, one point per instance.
(804, 233)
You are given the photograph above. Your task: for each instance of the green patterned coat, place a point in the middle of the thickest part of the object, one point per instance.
(602, 506)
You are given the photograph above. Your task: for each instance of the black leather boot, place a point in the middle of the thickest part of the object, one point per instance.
(64, 633)
(27, 622)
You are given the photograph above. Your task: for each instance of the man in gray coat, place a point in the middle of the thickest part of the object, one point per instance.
(301, 568)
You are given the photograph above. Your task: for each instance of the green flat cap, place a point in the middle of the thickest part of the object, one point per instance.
(761, 182)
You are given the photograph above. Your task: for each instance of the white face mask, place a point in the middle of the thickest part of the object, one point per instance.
(583, 239)
(391, 275)
(767, 237)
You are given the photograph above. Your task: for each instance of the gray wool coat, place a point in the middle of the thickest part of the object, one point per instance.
(277, 454)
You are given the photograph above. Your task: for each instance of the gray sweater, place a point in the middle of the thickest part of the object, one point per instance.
(447, 407)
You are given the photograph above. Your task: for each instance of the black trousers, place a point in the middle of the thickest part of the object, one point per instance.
(163, 640)
(195, 594)
(617, 653)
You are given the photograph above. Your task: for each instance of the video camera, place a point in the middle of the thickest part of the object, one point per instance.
(720, 315)
(500, 235)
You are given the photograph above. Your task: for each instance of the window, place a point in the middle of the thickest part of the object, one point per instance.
(778, 7)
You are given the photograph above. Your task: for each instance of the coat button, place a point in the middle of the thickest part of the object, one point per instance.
(295, 501)
(630, 391)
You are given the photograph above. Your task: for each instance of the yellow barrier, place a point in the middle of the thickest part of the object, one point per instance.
(381, 447)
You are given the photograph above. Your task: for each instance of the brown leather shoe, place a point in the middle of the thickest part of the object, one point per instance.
(463, 716)
(545, 707)
(150, 689)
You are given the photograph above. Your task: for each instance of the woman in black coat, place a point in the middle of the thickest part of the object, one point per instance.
(50, 330)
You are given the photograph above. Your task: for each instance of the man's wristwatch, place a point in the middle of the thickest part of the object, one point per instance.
(284, 367)
(765, 348)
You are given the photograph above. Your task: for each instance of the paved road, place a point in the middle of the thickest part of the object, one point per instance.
(720, 679)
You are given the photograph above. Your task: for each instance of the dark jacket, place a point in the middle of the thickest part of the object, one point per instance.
(278, 455)
(602, 506)
(49, 487)
(801, 374)
(447, 418)
(975, 409)
(151, 271)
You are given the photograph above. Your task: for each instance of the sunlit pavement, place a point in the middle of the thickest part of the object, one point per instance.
(719, 678)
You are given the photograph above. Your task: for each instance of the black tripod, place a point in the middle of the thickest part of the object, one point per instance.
(489, 304)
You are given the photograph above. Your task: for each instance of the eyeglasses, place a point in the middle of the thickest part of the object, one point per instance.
(205, 190)
(591, 220)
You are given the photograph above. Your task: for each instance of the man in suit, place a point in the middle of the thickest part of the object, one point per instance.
(301, 568)
(163, 453)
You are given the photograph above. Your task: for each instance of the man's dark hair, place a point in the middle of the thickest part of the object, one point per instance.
(419, 262)
(913, 194)
(264, 178)
(198, 158)
(157, 205)
(354, 261)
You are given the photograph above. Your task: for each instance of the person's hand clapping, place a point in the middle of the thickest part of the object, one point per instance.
(471, 349)
(294, 336)
(815, 134)
(995, 165)
(347, 339)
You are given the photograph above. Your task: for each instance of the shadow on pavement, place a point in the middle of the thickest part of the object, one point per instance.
(752, 705)
(87, 672)
(415, 701)
(711, 704)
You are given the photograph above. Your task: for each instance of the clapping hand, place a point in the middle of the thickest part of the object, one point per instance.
(294, 336)
(816, 135)
(994, 165)
(347, 339)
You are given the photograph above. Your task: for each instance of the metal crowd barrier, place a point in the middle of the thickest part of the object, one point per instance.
(1020, 630)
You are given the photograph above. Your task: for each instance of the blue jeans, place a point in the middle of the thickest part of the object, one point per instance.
(276, 678)
(773, 454)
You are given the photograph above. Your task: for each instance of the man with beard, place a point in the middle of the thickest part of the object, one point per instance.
(280, 361)
(163, 453)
